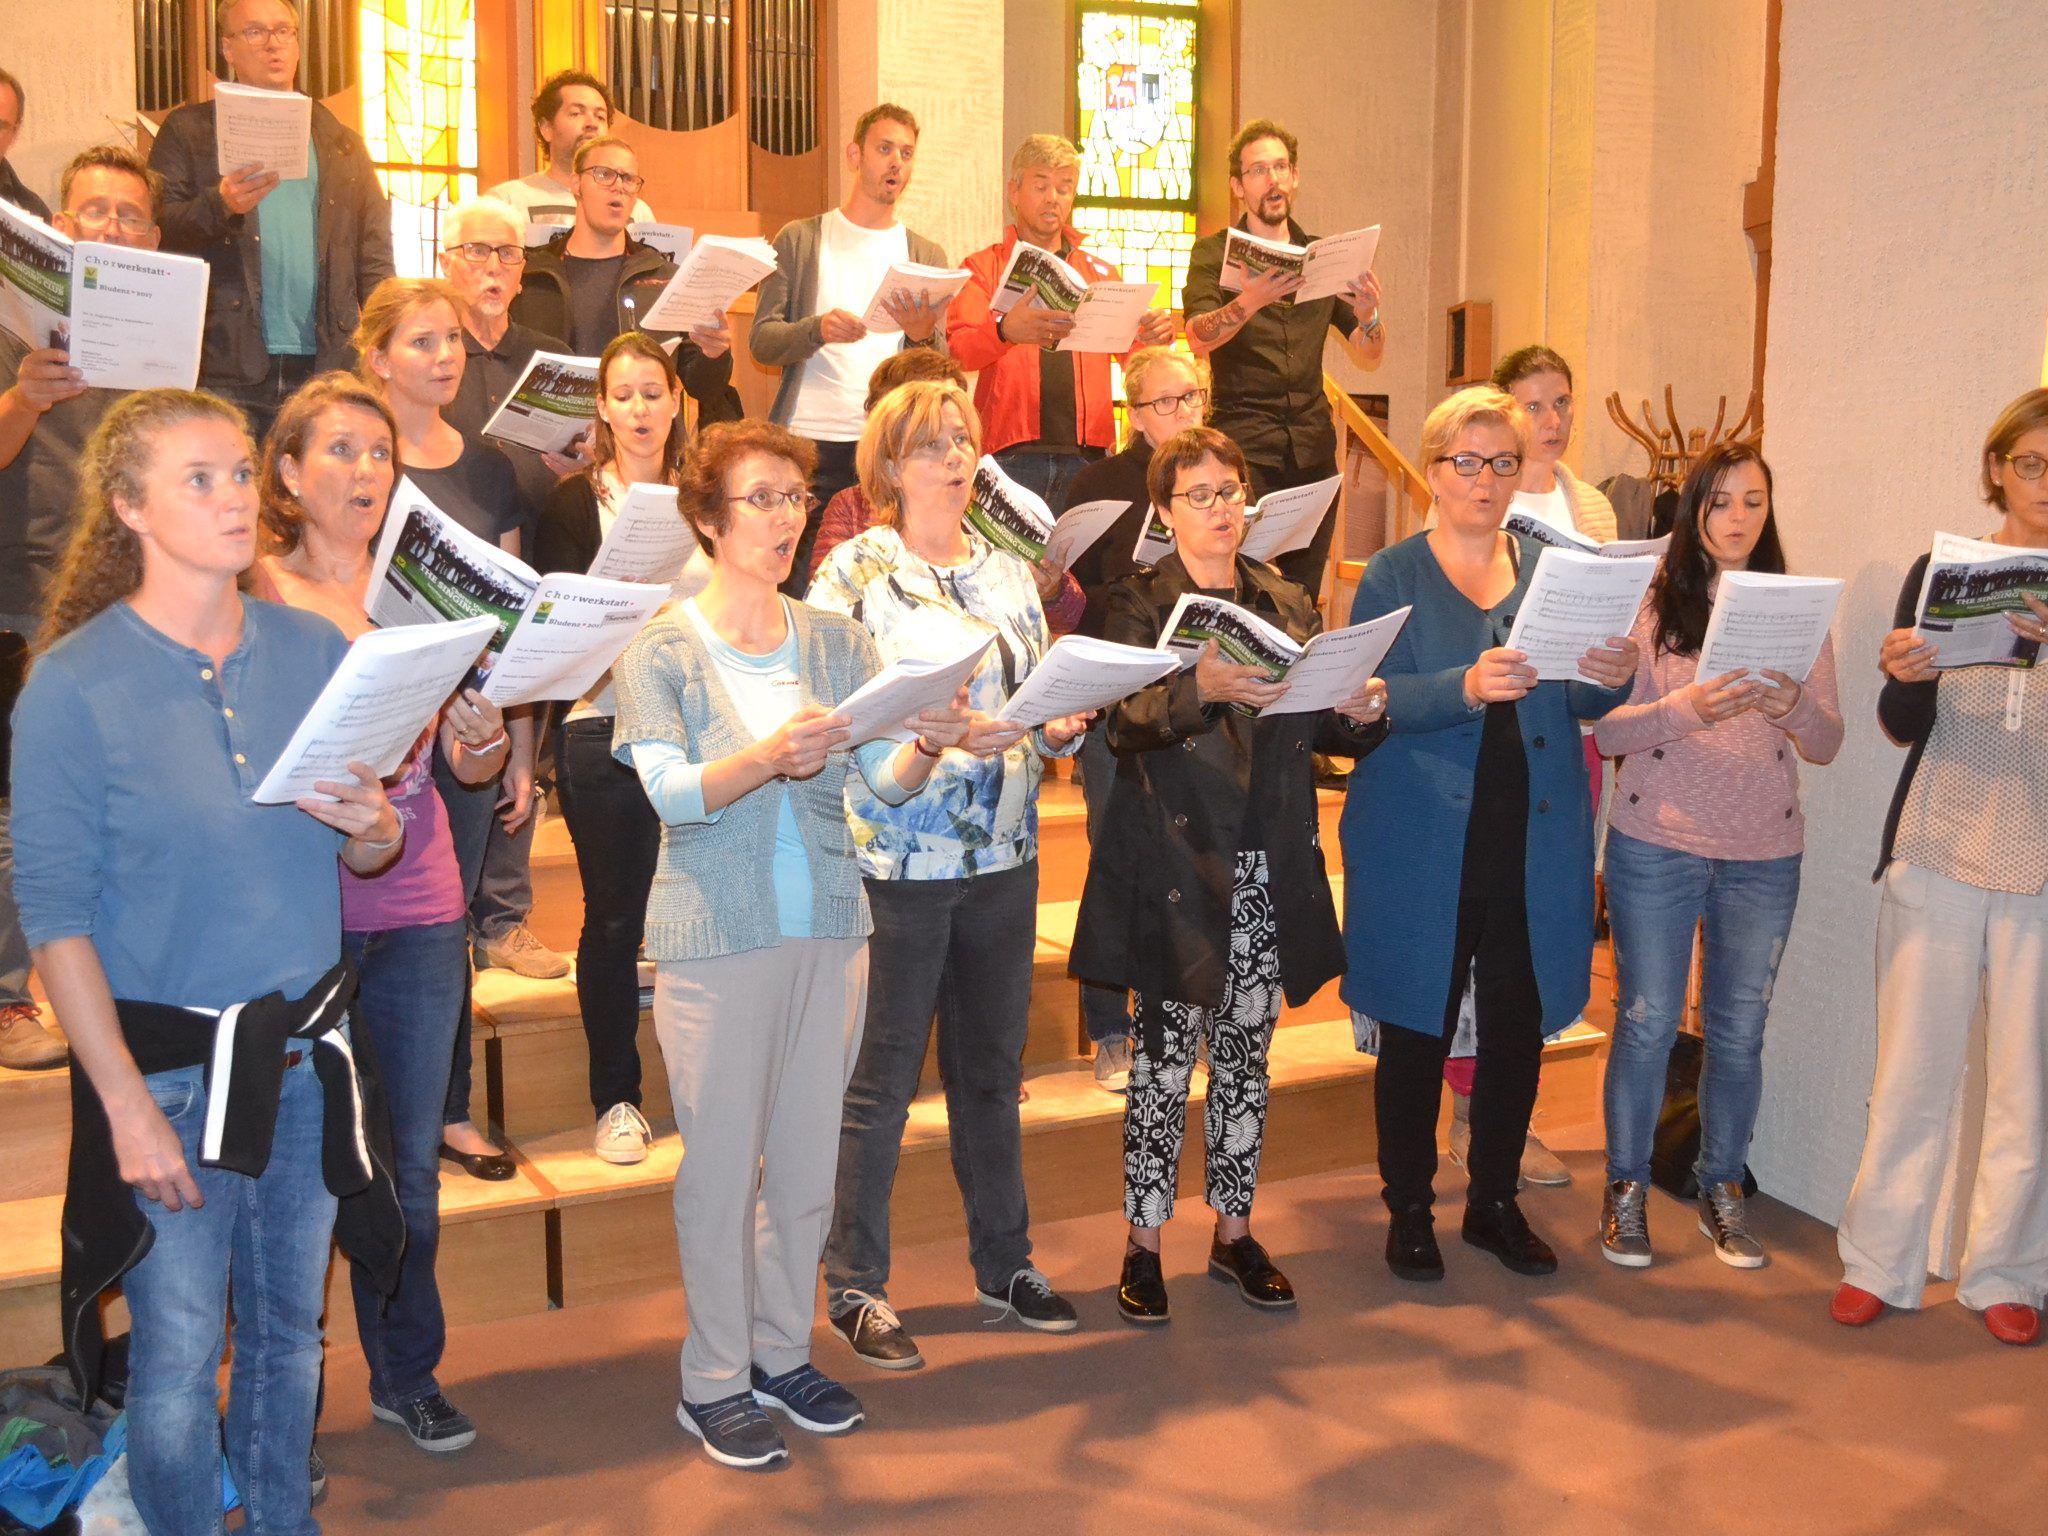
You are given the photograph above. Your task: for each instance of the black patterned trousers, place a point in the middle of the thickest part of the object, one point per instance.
(1240, 1033)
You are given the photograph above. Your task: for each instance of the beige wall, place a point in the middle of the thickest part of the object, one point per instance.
(73, 102)
(1908, 299)
(1037, 70)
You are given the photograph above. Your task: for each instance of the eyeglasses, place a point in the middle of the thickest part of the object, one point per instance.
(2028, 466)
(478, 252)
(1203, 497)
(608, 176)
(1469, 464)
(1168, 405)
(93, 221)
(763, 499)
(1267, 170)
(256, 37)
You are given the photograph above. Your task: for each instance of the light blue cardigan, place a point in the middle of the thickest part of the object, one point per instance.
(1403, 830)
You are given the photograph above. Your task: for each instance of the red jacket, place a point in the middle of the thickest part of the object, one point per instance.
(1006, 393)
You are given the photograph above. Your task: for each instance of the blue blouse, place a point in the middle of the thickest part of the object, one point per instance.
(134, 762)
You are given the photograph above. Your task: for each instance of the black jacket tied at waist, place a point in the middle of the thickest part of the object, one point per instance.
(243, 1049)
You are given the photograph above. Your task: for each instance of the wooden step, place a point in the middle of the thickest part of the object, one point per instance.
(35, 1132)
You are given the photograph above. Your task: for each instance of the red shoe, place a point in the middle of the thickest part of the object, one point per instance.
(1854, 1307)
(2013, 1322)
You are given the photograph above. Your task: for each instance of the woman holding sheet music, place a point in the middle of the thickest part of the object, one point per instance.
(952, 875)
(1206, 893)
(409, 347)
(639, 441)
(329, 467)
(1486, 758)
(1706, 829)
(1963, 923)
(757, 924)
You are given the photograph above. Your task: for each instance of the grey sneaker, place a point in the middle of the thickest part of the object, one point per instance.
(1722, 1218)
(518, 950)
(1113, 1064)
(1625, 1224)
(623, 1135)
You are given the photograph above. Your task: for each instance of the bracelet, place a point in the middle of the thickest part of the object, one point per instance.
(371, 847)
(917, 742)
(487, 748)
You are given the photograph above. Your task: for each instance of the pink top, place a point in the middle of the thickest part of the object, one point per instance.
(1726, 791)
(423, 886)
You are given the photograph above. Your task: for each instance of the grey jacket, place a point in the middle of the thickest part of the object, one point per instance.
(786, 332)
(714, 887)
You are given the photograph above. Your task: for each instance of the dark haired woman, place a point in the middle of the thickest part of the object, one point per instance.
(1962, 924)
(1706, 830)
(639, 441)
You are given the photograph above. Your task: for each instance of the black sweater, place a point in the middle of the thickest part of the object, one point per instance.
(1120, 477)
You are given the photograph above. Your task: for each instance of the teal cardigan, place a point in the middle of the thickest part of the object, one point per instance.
(1403, 829)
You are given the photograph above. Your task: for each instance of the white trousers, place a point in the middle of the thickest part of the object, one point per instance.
(1943, 949)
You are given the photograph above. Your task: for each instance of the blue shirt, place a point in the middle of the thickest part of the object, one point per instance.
(288, 222)
(134, 762)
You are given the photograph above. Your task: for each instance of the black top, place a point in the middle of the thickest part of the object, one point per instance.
(593, 300)
(488, 374)
(1120, 477)
(14, 190)
(1267, 387)
(570, 533)
(477, 490)
(1906, 711)
(1057, 427)
(1497, 832)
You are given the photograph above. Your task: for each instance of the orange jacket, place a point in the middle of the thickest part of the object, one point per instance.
(1006, 393)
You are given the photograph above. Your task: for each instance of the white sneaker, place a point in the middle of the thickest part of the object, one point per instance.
(623, 1135)
(1113, 1064)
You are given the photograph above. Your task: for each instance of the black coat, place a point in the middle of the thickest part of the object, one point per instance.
(1155, 914)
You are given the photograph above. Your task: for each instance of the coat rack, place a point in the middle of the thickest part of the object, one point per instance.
(1672, 449)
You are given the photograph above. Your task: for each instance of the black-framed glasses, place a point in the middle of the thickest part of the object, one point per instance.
(479, 252)
(93, 221)
(256, 37)
(612, 176)
(1203, 497)
(2028, 466)
(1168, 405)
(766, 499)
(1469, 464)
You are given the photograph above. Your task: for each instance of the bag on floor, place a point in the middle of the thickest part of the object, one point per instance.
(1677, 1147)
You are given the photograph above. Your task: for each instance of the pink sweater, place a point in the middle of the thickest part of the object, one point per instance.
(1726, 791)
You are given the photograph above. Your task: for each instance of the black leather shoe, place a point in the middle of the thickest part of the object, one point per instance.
(1141, 1293)
(1243, 1263)
(1499, 1227)
(492, 1167)
(1412, 1253)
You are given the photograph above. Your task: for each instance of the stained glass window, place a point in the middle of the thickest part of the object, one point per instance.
(1135, 117)
(419, 115)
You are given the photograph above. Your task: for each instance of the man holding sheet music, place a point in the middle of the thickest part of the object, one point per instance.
(1045, 413)
(1265, 349)
(809, 320)
(292, 260)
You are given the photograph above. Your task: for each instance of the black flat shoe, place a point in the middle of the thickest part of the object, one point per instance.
(1412, 1253)
(1243, 1263)
(1141, 1293)
(1500, 1228)
(492, 1167)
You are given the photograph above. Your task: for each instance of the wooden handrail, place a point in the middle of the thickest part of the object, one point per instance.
(1411, 503)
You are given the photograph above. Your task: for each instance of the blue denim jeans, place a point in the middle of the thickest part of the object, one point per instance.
(269, 1237)
(1655, 898)
(408, 1001)
(1049, 474)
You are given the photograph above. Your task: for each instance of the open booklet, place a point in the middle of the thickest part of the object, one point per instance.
(131, 319)
(1320, 675)
(1010, 516)
(1765, 622)
(1080, 673)
(1575, 603)
(1327, 266)
(1077, 528)
(1530, 526)
(1106, 314)
(905, 689)
(552, 405)
(912, 280)
(1969, 588)
(556, 635)
(672, 240)
(1283, 521)
(1155, 540)
(387, 690)
(273, 129)
(650, 539)
(718, 269)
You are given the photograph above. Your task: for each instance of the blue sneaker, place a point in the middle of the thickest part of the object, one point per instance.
(735, 1432)
(813, 1400)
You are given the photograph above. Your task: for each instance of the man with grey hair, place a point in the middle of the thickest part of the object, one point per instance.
(291, 261)
(1044, 413)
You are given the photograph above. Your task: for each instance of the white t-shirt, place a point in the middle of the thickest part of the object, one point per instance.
(1548, 506)
(851, 265)
(545, 200)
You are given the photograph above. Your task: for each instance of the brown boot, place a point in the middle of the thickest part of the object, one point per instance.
(27, 1044)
